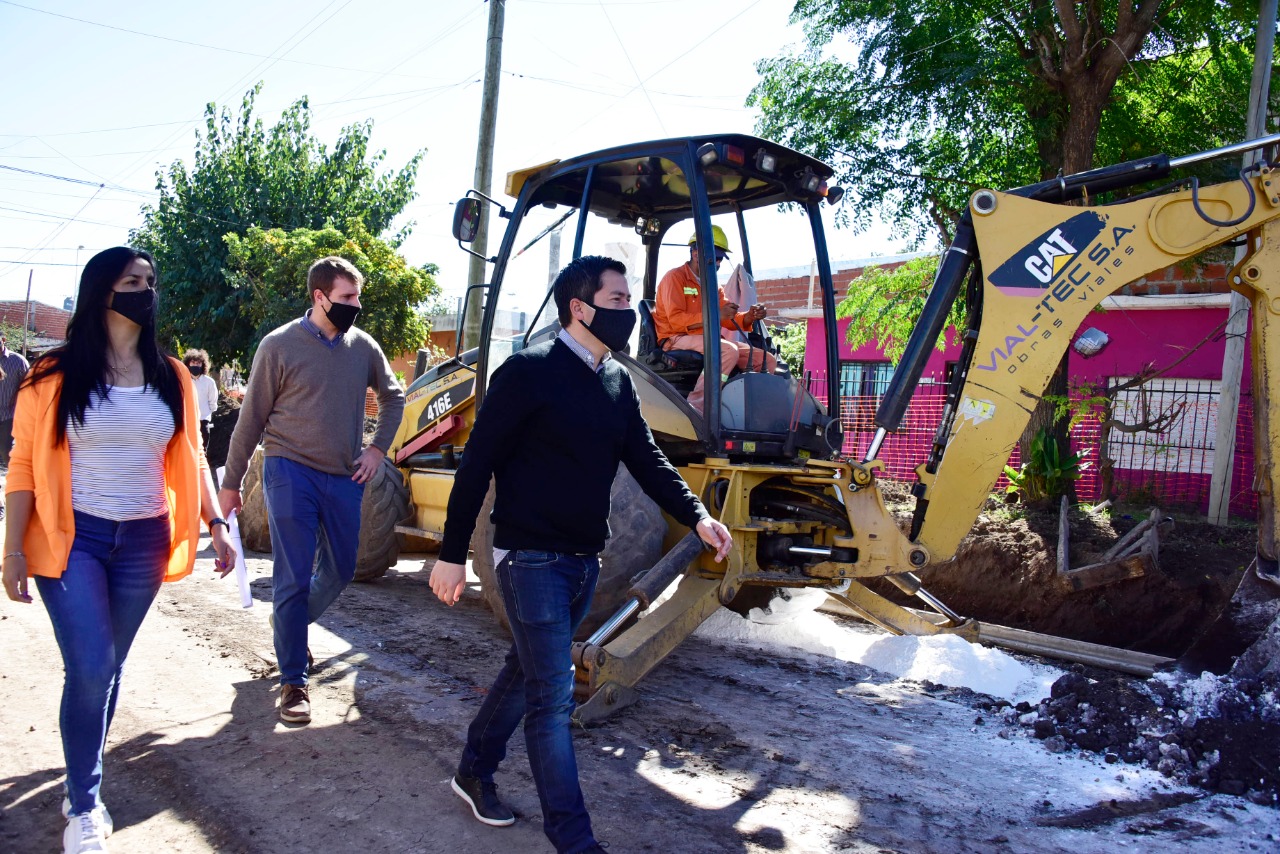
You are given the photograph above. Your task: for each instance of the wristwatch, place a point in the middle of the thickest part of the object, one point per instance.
(218, 521)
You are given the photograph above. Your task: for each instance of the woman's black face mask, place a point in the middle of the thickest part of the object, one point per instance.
(138, 306)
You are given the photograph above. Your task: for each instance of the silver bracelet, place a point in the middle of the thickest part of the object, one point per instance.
(16, 554)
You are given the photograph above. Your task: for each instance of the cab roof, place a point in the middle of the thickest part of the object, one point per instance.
(648, 179)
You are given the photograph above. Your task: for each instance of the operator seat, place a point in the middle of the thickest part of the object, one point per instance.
(678, 367)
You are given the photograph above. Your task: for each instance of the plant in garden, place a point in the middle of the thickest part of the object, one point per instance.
(1048, 471)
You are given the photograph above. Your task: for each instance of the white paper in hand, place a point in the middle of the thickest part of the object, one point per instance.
(242, 571)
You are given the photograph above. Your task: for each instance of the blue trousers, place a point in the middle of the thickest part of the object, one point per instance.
(547, 595)
(308, 510)
(96, 606)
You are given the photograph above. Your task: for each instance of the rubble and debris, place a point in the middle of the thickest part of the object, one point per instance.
(1220, 733)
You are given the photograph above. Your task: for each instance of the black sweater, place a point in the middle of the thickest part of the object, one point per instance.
(551, 433)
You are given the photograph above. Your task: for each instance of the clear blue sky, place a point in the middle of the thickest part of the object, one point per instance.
(109, 93)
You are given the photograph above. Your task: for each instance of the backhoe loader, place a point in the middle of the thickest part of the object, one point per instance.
(766, 457)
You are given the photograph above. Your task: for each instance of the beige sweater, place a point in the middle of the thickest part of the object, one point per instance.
(305, 401)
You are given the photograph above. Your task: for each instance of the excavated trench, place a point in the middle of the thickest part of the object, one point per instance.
(1005, 572)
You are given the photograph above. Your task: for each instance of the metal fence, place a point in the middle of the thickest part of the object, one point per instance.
(1170, 463)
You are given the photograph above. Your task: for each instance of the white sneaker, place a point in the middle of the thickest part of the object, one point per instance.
(104, 817)
(84, 835)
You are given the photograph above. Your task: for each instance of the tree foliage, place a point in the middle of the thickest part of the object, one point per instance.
(882, 305)
(790, 339)
(244, 175)
(919, 103)
(271, 266)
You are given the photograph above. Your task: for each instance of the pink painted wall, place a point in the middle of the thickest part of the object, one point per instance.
(1138, 338)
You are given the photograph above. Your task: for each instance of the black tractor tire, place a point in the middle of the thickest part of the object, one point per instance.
(637, 528)
(385, 505)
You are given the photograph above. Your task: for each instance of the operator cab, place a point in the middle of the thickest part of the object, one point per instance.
(641, 204)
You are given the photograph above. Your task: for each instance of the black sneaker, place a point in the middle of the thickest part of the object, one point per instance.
(483, 799)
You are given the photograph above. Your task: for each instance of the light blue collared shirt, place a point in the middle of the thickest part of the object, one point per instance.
(583, 353)
(315, 332)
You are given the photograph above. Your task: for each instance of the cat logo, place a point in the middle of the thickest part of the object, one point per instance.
(1033, 268)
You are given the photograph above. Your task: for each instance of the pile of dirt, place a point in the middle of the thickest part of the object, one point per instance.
(1215, 732)
(1005, 572)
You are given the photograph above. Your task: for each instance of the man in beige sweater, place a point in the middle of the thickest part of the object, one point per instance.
(305, 401)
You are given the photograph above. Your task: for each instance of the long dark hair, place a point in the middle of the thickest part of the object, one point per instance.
(82, 361)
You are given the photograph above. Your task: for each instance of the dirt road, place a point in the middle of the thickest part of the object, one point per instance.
(730, 750)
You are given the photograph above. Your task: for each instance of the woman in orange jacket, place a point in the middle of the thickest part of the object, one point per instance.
(107, 485)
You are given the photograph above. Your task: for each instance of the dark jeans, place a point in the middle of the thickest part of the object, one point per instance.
(307, 509)
(547, 595)
(96, 606)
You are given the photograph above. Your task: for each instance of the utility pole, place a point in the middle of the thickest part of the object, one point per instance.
(75, 285)
(553, 258)
(26, 314)
(484, 169)
(1238, 313)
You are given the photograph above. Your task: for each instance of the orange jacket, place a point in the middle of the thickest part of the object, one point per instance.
(39, 465)
(678, 309)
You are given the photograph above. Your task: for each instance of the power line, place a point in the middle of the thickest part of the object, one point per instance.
(57, 230)
(297, 38)
(699, 43)
(42, 136)
(44, 249)
(63, 157)
(203, 46)
(634, 71)
(449, 30)
(80, 181)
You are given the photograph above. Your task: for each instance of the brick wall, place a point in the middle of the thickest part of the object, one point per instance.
(1181, 279)
(46, 321)
(791, 294)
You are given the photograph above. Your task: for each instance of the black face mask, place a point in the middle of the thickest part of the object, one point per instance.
(612, 326)
(138, 306)
(341, 315)
(196, 370)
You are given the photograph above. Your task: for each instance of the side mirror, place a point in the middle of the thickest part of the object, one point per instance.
(466, 219)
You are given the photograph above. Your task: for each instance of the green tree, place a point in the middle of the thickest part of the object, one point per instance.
(881, 305)
(245, 175)
(790, 339)
(271, 266)
(919, 103)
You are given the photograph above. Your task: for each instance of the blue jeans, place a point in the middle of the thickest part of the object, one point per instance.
(96, 606)
(546, 595)
(307, 509)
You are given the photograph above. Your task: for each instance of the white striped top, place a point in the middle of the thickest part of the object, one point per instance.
(117, 455)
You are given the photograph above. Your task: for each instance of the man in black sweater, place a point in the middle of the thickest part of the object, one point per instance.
(555, 423)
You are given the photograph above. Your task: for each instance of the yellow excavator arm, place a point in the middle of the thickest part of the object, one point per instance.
(1045, 268)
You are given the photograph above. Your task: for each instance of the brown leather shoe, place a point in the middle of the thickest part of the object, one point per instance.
(295, 705)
